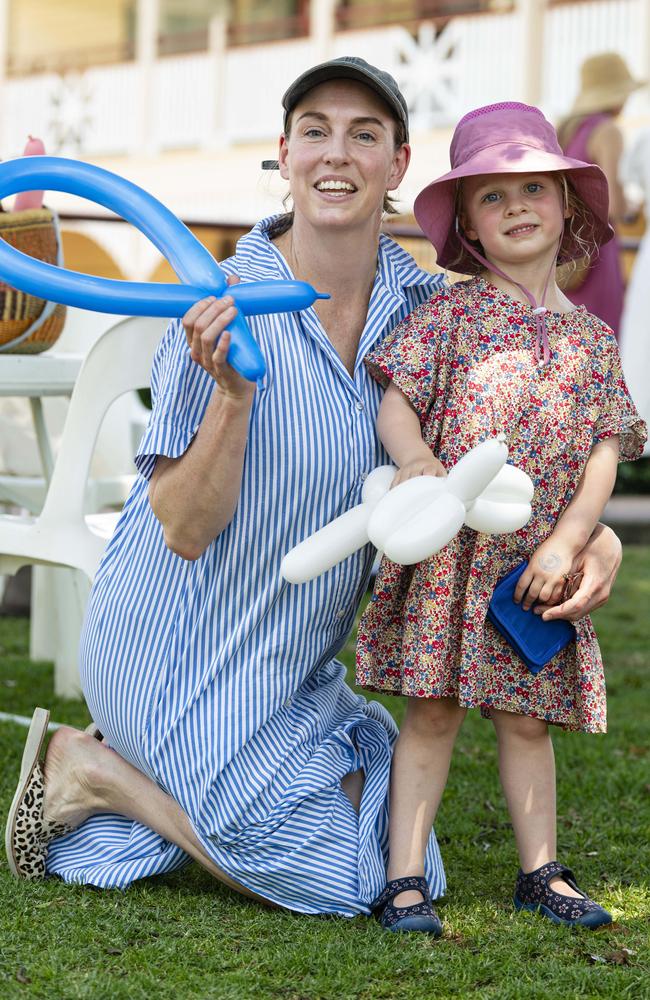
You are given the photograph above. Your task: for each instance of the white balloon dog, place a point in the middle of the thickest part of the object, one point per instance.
(418, 517)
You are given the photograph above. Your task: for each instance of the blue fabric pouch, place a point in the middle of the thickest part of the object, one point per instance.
(533, 640)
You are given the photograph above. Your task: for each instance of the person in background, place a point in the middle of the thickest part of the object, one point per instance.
(635, 324)
(590, 133)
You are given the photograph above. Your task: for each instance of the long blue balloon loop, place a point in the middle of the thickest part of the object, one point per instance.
(197, 269)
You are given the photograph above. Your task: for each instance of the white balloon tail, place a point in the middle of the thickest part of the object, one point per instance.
(511, 485)
(328, 546)
(427, 531)
(400, 504)
(469, 477)
(494, 517)
(377, 484)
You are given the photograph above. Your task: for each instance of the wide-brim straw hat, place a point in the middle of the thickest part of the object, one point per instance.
(605, 84)
(508, 138)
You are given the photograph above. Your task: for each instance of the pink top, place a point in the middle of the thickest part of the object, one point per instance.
(603, 289)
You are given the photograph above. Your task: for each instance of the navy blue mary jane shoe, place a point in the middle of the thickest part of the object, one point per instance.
(533, 892)
(418, 917)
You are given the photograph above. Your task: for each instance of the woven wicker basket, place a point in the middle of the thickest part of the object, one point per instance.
(35, 232)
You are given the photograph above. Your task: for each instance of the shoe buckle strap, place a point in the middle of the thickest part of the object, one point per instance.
(397, 885)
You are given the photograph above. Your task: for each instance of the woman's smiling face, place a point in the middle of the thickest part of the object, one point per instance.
(517, 218)
(340, 156)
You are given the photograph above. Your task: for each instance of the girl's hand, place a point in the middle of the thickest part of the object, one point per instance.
(209, 341)
(425, 465)
(544, 578)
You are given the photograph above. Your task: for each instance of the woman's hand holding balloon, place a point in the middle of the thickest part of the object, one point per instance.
(232, 386)
(209, 342)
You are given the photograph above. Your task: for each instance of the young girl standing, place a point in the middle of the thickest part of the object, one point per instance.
(504, 352)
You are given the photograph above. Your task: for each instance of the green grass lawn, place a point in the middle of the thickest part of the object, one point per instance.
(185, 936)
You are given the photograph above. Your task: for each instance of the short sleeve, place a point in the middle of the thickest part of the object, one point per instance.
(180, 392)
(615, 412)
(409, 356)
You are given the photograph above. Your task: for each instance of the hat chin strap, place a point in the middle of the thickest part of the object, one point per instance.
(542, 347)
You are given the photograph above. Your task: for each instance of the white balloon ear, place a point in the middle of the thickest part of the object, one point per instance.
(469, 477)
(494, 517)
(510, 485)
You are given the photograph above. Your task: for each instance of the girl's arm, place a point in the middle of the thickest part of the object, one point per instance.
(398, 426)
(544, 578)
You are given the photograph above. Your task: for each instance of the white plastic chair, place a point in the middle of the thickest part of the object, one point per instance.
(22, 482)
(62, 535)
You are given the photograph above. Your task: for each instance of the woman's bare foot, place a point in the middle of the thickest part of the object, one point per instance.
(74, 763)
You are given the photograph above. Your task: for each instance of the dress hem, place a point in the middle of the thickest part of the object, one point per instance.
(484, 707)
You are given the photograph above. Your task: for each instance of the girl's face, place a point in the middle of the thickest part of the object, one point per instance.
(340, 157)
(517, 218)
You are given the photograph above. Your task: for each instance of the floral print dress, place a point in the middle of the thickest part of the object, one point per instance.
(466, 362)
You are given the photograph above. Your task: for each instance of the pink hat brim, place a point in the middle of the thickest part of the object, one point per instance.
(434, 206)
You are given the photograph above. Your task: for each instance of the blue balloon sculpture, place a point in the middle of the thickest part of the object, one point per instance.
(192, 262)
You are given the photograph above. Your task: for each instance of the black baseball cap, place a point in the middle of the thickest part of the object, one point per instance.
(349, 68)
(346, 68)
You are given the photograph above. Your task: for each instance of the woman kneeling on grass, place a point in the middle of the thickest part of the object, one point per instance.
(233, 737)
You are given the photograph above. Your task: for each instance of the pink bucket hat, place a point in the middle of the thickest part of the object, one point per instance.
(499, 139)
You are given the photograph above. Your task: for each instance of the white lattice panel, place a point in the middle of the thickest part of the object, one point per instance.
(185, 98)
(256, 78)
(442, 76)
(26, 109)
(113, 105)
(575, 31)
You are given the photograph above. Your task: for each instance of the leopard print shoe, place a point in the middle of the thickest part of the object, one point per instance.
(28, 834)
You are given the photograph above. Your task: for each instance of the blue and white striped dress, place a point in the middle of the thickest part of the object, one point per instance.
(218, 679)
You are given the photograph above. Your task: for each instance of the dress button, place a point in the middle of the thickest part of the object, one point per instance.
(363, 477)
(341, 613)
(360, 406)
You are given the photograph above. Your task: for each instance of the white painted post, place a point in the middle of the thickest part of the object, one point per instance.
(4, 51)
(533, 18)
(215, 137)
(321, 28)
(146, 50)
(644, 37)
